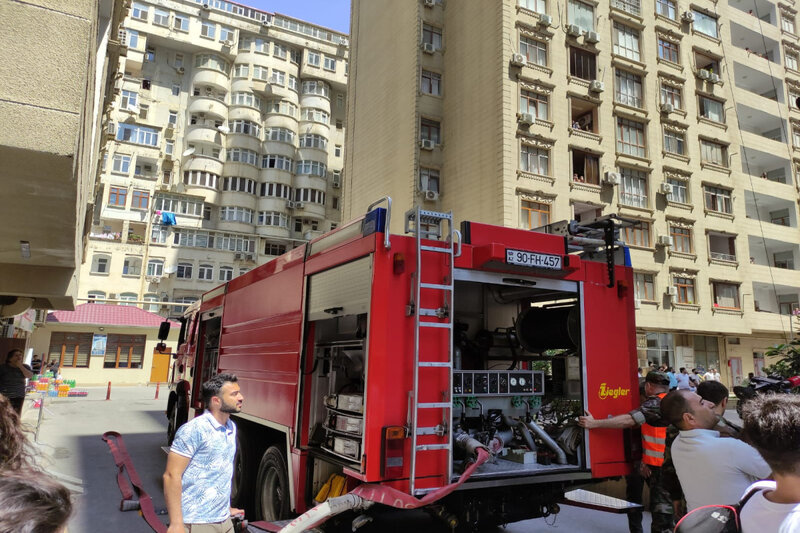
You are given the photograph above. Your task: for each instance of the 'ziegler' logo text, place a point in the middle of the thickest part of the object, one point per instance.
(606, 392)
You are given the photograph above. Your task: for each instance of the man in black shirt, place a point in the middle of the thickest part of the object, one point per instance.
(12, 379)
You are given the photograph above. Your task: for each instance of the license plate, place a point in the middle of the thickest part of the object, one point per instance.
(532, 259)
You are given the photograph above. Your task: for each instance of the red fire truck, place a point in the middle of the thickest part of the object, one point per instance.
(372, 355)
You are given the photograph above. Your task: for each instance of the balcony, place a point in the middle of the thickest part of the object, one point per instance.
(773, 304)
(764, 122)
(202, 106)
(758, 48)
(211, 78)
(203, 134)
(771, 169)
(750, 12)
(772, 211)
(758, 82)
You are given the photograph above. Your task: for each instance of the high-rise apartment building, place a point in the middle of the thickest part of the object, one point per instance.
(682, 116)
(226, 149)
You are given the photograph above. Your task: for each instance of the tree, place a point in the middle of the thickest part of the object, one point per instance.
(789, 363)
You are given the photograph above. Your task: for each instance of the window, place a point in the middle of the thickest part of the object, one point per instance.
(713, 152)
(633, 189)
(717, 199)
(319, 88)
(154, 306)
(539, 6)
(726, 295)
(117, 196)
(329, 63)
(95, 295)
(795, 137)
(674, 142)
(667, 8)
(239, 184)
(225, 273)
(137, 134)
(176, 90)
(236, 214)
(630, 137)
(128, 297)
(582, 64)
(679, 192)
(205, 273)
(208, 29)
(139, 11)
(533, 50)
(534, 214)
(180, 22)
(671, 94)
(132, 266)
(429, 130)
(626, 41)
(159, 234)
(161, 17)
(644, 286)
(311, 140)
(124, 351)
(780, 217)
(534, 160)
(278, 162)
(132, 38)
(274, 249)
(581, 14)
(278, 77)
(533, 103)
(337, 150)
(184, 271)
(680, 238)
(212, 62)
(71, 349)
(705, 24)
(313, 59)
(242, 155)
(273, 218)
(314, 115)
(185, 300)
(100, 264)
(245, 127)
(226, 34)
(241, 70)
(791, 59)
(637, 235)
(685, 289)
(668, 50)
(140, 199)
(311, 168)
(128, 100)
(155, 267)
(432, 35)
(279, 51)
(169, 147)
(628, 88)
(121, 164)
(712, 109)
(722, 247)
(246, 99)
(431, 83)
(309, 195)
(428, 179)
(585, 167)
(787, 22)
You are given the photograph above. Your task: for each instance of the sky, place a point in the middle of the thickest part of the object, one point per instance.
(333, 14)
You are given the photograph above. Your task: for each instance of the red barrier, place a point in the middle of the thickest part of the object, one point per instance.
(157, 386)
(108, 392)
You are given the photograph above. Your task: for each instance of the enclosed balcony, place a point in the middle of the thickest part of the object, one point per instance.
(207, 105)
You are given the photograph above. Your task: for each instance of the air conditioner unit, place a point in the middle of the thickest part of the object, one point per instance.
(112, 296)
(672, 291)
(596, 86)
(573, 30)
(153, 279)
(664, 240)
(344, 42)
(526, 118)
(180, 70)
(266, 23)
(290, 204)
(637, 303)
(111, 128)
(687, 17)
(703, 74)
(667, 108)
(249, 257)
(428, 48)
(228, 42)
(545, 20)
(238, 256)
(592, 37)
(612, 178)
(299, 205)
(426, 144)
(714, 78)
(665, 188)
(519, 60)
(336, 182)
(429, 3)
(431, 195)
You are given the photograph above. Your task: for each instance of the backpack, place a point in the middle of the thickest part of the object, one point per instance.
(715, 518)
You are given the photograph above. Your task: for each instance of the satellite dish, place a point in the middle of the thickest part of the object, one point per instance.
(224, 129)
(188, 152)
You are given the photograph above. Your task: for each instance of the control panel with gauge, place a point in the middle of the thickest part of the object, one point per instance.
(497, 383)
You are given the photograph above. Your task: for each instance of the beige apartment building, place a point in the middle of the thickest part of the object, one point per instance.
(53, 93)
(226, 149)
(681, 115)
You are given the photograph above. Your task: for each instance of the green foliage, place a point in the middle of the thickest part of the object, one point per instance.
(789, 363)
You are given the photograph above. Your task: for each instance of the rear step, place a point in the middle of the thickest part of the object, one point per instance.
(599, 502)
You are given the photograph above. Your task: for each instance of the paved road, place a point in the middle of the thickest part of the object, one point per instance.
(70, 445)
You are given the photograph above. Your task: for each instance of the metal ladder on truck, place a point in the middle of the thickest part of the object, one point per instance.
(436, 325)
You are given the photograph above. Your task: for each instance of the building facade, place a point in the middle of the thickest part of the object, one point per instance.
(226, 149)
(681, 116)
(54, 91)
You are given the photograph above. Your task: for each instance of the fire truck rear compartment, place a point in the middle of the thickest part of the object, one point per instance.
(517, 384)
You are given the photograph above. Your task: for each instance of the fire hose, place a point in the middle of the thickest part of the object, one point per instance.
(368, 494)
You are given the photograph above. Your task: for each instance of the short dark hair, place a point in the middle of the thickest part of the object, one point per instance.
(772, 426)
(11, 353)
(673, 406)
(212, 387)
(682, 369)
(712, 391)
(33, 502)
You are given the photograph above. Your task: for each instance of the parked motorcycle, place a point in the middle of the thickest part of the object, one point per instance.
(774, 384)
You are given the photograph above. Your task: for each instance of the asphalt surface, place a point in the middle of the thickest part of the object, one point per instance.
(70, 448)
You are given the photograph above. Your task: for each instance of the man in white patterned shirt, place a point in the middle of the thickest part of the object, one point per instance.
(197, 481)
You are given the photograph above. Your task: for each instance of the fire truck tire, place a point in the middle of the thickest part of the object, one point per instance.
(243, 468)
(272, 486)
(177, 417)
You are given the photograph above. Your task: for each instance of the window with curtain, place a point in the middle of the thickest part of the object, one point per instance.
(685, 288)
(628, 88)
(534, 214)
(581, 14)
(645, 286)
(630, 137)
(633, 189)
(534, 160)
(725, 295)
(626, 41)
(533, 50)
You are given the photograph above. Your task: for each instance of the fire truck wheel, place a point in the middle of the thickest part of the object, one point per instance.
(241, 495)
(177, 417)
(272, 486)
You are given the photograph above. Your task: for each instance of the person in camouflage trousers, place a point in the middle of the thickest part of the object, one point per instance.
(654, 435)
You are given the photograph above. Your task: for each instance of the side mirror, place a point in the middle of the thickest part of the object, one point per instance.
(182, 334)
(163, 331)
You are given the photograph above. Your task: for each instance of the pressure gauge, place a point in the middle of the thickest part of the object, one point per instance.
(513, 381)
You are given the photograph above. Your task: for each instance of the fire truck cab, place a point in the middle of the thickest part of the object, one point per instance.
(369, 356)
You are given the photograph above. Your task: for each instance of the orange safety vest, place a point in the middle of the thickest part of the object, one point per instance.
(654, 442)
